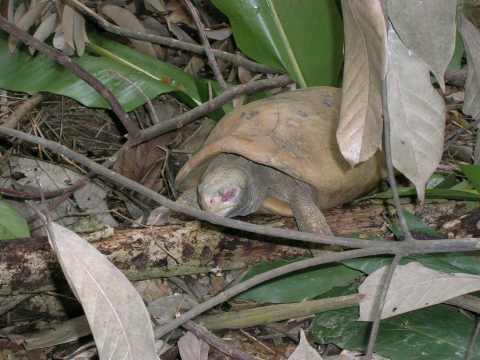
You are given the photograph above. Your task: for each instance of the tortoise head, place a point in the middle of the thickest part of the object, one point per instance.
(228, 187)
(224, 192)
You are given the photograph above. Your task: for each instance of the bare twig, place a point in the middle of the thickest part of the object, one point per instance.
(259, 279)
(27, 106)
(388, 247)
(216, 342)
(379, 304)
(206, 45)
(166, 41)
(209, 106)
(65, 61)
(391, 174)
(473, 341)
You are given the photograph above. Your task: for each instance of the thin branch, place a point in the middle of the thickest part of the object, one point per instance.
(216, 342)
(166, 41)
(65, 61)
(391, 174)
(206, 45)
(23, 109)
(209, 106)
(388, 247)
(473, 341)
(259, 279)
(379, 304)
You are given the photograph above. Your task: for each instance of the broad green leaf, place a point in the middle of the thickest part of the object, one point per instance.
(303, 37)
(416, 226)
(105, 60)
(298, 286)
(472, 172)
(437, 332)
(12, 224)
(451, 194)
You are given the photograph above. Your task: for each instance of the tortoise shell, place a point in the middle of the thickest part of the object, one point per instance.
(293, 132)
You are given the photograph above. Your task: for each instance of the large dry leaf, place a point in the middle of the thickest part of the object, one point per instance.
(26, 21)
(74, 32)
(471, 40)
(416, 112)
(125, 19)
(116, 313)
(359, 134)
(46, 28)
(413, 286)
(428, 28)
(157, 5)
(304, 350)
(192, 348)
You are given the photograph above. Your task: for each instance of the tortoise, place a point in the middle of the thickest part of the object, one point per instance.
(278, 155)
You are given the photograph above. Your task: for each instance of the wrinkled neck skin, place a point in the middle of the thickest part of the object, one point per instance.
(230, 186)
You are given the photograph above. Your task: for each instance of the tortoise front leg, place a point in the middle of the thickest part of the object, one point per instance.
(308, 216)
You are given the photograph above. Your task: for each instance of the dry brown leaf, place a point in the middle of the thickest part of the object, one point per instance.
(19, 12)
(416, 112)
(413, 287)
(128, 20)
(192, 348)
(46, 28)
(428, 29)
(144, 163)
(157, 5)
(195, 64)
(471, 39)
(26, 21)
(74, 32)
(219, 34)
(177, 13)
(359, 134)
(304, 350)
(117, 316)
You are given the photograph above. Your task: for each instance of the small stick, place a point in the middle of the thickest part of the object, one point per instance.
(218, 343)
(27, 106)
(66, 62)
(391, 174)
(206, 45)
(166, 41)
(209, 106)
(379, 304)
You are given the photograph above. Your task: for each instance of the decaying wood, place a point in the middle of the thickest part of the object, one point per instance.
(28, 265)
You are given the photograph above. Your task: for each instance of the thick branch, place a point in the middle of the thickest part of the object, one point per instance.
(209, 106)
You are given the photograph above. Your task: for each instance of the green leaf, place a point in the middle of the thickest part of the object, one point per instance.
(472, 172)
(457, 59)
(437, 332)
(437, 193)
(418, 228)
(12, 224)
(106, 58)
(299, 286)
(303, 37)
